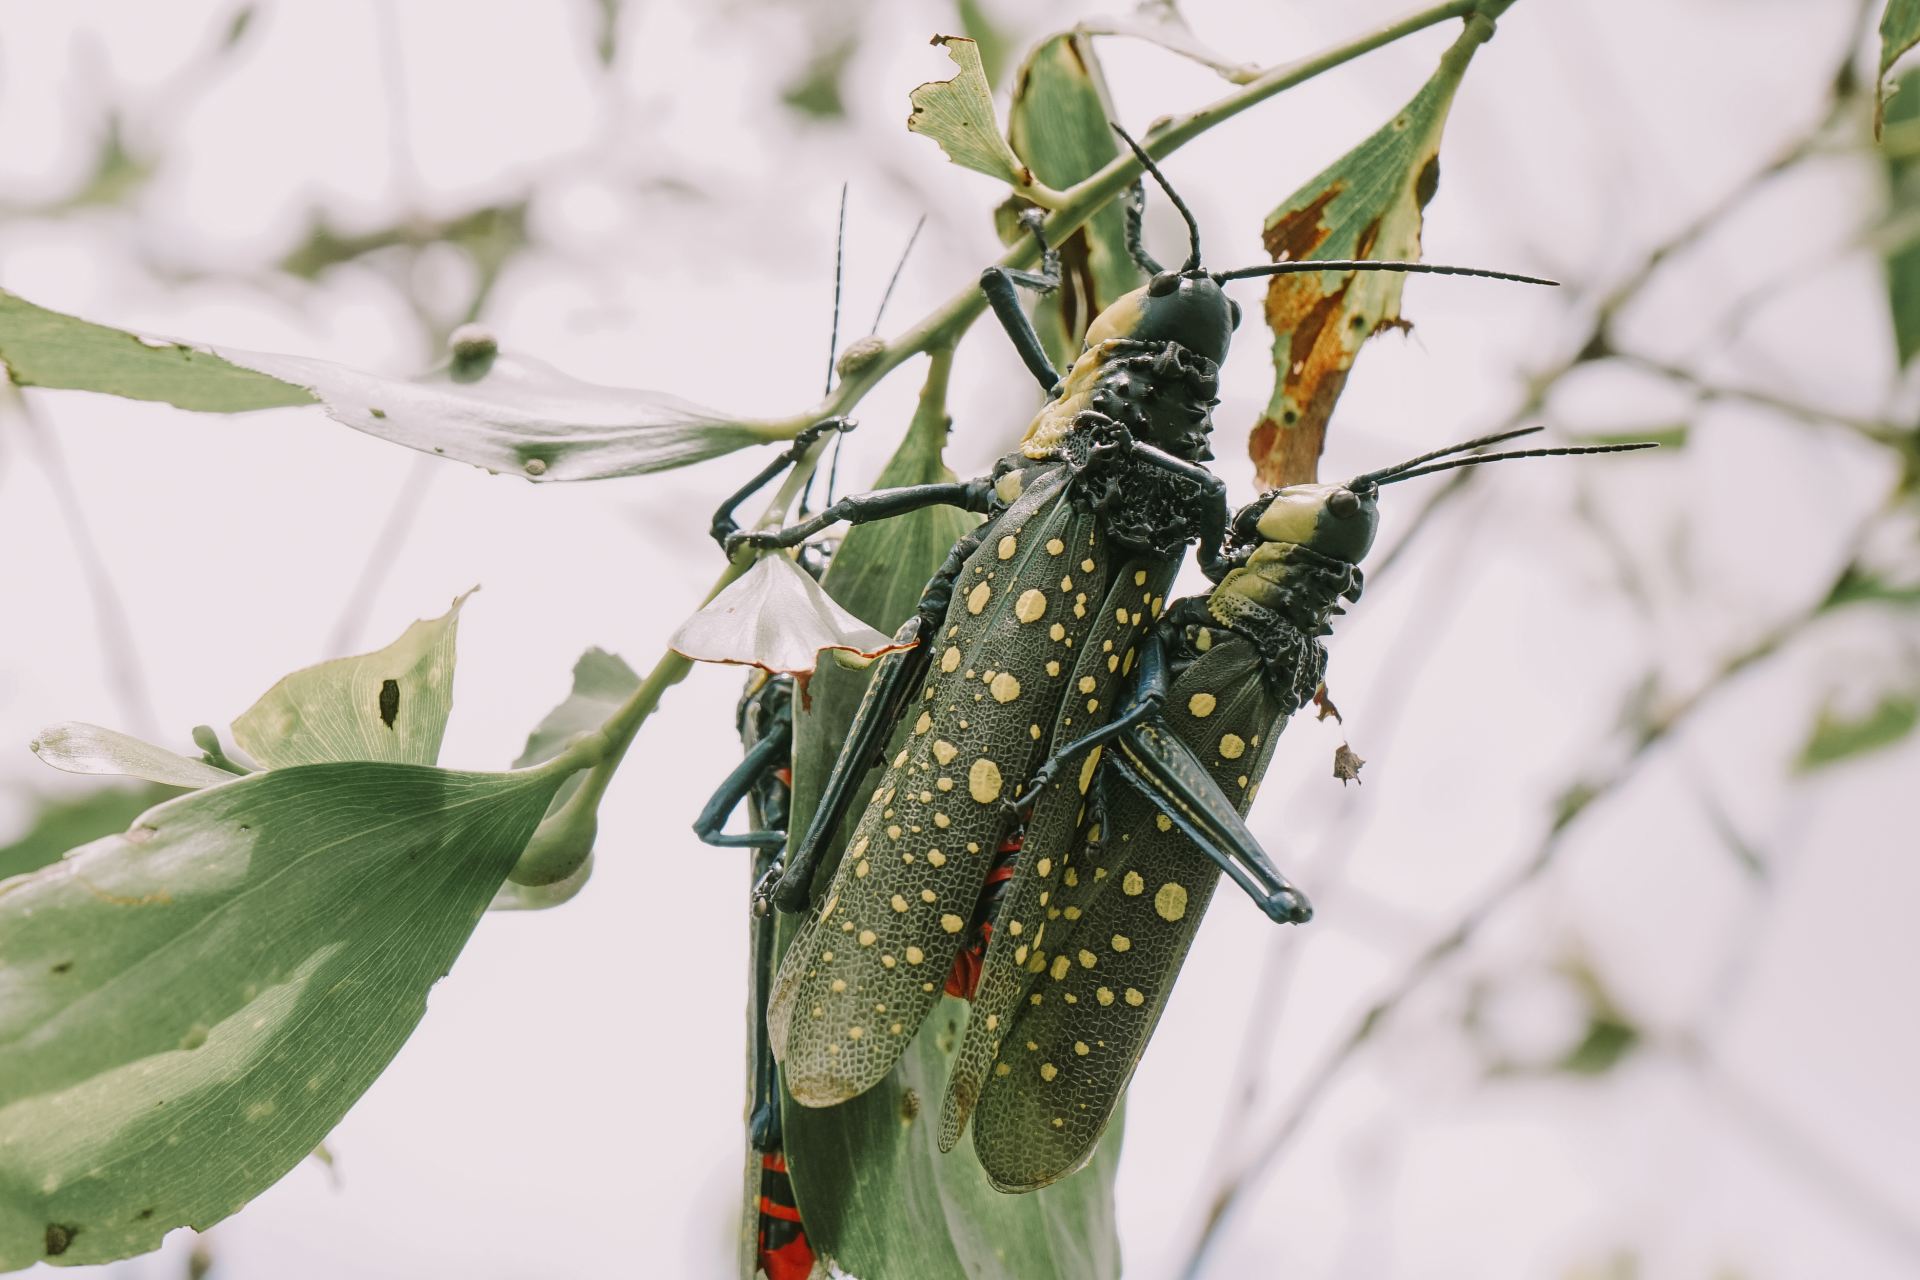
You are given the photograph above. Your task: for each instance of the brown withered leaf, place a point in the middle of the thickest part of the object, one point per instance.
(1325, 706)
(1347, 764)
(1367, 204)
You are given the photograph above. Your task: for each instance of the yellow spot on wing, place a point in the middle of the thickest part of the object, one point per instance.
(983, 781)
(1134, 997)
(1087, 767)
(1121, 942)
(951, 658)
(1008, 545)
(1171, 901)
(978, 597)
(1060, 967)
(1201, 705)
(952, 923)
(1031, 606)
(1232, 746)
(1048, 1071)
(1131, 884)
(944, 751)
(1104, 995)
(1005, 687)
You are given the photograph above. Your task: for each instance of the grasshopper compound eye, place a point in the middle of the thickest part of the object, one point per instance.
(1163, 284)
(1343, 503)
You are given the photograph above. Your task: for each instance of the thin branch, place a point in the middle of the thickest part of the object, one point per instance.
(1578, 801)
(126, 674)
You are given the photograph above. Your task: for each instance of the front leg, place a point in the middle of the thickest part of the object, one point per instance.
(1212, 516)
(860, 508)
(1143, 702)
(724, 525)
(998, 284)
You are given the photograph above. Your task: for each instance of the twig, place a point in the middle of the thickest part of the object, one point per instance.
(1578, 800)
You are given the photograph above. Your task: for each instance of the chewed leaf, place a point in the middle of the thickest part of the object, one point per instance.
(776, 616)
(1058, 125)
(187, 1009)
(1367, 204)
(389, 705)
(1161, 23)
(1899, 32)
(509, 414)
(78, 747)
(958, 114)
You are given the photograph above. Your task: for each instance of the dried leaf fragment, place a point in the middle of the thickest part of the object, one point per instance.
(1347, 764)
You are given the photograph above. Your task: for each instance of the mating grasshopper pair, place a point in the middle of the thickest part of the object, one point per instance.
(1046, 702)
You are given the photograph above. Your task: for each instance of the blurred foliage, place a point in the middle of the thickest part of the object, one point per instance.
(1901, 149)
(1899, 32)
(1841, 734)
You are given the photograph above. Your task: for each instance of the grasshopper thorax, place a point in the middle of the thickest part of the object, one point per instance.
(1301, 548)
(1189, 308)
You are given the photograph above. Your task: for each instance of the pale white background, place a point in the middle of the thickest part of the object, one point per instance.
(570, 1106)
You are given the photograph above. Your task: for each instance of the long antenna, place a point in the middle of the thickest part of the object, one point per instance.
(1193, 227)
(1373, 477)
(1371, 264)
(839, 263)
(894, 279)
(1478, 458)
(833, 348)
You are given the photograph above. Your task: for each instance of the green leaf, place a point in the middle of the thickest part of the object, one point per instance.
(958, 114)
(1899, 32)
(601, 683)
(1865, 586)
(815, 92)
(990, 39)
(391, 704)
(43, 348)
(61, 823)
(1839, 735)
(1903, 187)
(508, 414)
(77, 747)
(187, 1009)
(1367, 204)
(874, 1191)
(1058, 125)
(1605, 1045)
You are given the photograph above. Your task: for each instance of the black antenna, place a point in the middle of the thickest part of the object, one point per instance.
(1371, 264)
(1193, 227)
(1478, 458)
(1373, 477)
(833, 349)
(898, 267)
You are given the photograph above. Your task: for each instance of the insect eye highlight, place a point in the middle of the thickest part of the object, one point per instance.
(1343, 503)
(1163, 284)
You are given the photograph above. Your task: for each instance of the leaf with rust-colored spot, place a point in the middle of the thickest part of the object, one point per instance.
(958, 114)
(1058, 125)
(1899, 32)
(1367, 204)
